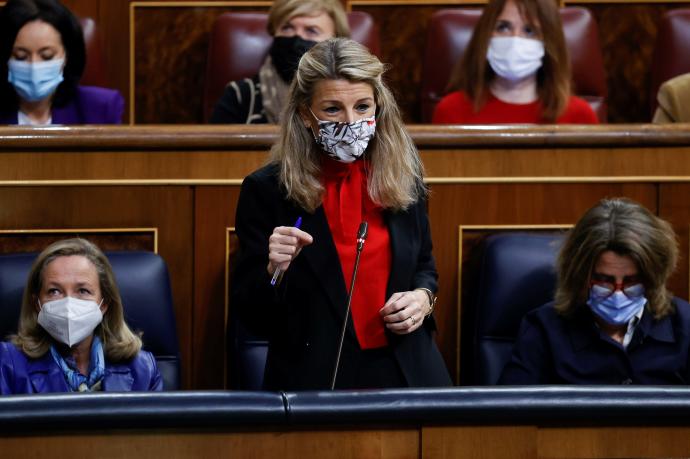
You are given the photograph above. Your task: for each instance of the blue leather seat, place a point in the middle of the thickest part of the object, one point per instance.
(515, 274)
(142, 278)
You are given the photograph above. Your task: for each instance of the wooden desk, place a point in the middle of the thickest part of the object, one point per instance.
(175, 188)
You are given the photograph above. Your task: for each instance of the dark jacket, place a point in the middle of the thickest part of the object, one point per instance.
(20, 374)
(553, 350)
(241, 103)
(302, 317)
(90, 105)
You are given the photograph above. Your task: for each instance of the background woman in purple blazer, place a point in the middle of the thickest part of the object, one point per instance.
(42, 58)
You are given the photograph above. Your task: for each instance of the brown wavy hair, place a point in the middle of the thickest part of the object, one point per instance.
(395, 177)
(119, 342)
(626, 228)
(473, 74)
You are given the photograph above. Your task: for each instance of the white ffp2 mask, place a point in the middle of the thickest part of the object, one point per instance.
(70, 320)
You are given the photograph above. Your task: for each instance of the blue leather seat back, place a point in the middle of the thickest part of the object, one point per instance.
(247, 358)
(142, 278)
(516, 275)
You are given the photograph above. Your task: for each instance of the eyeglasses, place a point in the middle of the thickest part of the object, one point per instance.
(603, 289)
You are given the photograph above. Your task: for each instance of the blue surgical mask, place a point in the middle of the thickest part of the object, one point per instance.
(35, 81)
(615, 309)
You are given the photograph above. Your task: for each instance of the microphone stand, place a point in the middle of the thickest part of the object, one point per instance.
(361, 237)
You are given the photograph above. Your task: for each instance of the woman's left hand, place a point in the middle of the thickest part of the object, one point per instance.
(404, 311)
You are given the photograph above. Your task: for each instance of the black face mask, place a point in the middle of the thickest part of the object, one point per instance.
(286, 52)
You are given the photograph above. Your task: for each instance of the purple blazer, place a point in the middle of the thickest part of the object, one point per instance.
(90, 105)
(20, 374)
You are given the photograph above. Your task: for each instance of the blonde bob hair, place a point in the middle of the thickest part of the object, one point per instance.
(628, 229)
(473, 74)
(395, 173)
(283, 10)
(119, 343)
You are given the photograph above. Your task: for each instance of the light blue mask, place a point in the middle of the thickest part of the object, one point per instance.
(35, 81)
(616, 309)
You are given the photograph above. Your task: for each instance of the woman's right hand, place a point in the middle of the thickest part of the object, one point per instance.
(284, 245)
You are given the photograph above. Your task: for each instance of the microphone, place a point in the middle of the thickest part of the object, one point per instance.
(361, 237)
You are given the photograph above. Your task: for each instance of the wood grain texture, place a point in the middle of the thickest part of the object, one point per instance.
(345, 444)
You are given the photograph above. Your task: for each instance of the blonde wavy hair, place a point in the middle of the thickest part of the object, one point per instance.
(119, 342)
(282, 10)
(626, 228)
(395, 175)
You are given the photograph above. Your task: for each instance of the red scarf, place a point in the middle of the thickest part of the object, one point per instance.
(346, 203)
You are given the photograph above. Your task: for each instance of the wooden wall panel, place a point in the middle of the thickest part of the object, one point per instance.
(674, 206)
(170, 62)
(214, 211)
(627, 34)
(167, 208)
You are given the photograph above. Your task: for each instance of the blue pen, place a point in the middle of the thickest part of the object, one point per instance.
(277, 272)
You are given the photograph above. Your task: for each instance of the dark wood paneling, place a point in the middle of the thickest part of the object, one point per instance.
(170, 62)
(627, 34)
(214, 211)
(674, 206)
(167, 208)
(107, 240)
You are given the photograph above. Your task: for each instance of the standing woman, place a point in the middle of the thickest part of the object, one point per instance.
(42, 59)
(343, 157)
(516, 70)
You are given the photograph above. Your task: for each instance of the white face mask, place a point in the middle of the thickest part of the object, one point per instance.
(343, 141)
(70, 320)
(515, 58)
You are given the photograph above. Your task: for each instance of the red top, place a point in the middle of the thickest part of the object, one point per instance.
(346, 203)
(456, 108)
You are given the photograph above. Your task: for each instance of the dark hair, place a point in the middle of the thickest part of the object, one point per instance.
(13, 16)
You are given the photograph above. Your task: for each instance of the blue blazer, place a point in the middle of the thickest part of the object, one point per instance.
(91, 105)
(20, 374)
(551, 349)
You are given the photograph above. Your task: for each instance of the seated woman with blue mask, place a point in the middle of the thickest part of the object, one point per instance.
(613, 320)
(42, 59)
(72, 336)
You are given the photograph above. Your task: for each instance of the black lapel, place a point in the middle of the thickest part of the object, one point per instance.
(322, 256)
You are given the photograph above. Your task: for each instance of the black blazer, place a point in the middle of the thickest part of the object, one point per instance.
(302, 316)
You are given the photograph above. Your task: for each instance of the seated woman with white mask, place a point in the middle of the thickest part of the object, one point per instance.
(72, 336)
(515, 70)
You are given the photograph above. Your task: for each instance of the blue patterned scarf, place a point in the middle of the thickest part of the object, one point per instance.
(75, 380)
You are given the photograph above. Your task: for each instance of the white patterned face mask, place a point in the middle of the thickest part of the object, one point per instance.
(344, 141)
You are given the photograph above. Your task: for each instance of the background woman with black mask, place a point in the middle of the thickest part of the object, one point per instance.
(296, 26)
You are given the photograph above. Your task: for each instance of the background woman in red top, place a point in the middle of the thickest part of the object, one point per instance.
(515, 70)
(343, 157)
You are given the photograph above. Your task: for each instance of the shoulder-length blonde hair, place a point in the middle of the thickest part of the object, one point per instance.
(473, 73)
(626, 228)
(395, 176)
(119, 343)
(282, 10)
